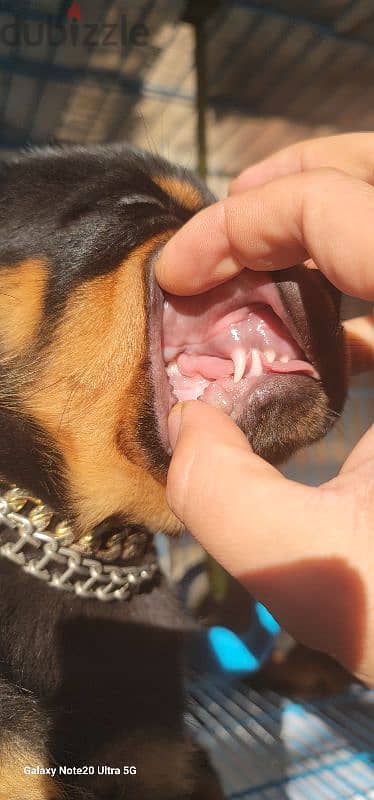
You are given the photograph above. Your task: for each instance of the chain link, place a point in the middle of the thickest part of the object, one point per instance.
(26, 539)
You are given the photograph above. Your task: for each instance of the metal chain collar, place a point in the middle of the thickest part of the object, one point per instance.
(44, 548)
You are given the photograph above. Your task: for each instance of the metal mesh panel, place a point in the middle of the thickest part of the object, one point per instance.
(276, 71)
(266, 746)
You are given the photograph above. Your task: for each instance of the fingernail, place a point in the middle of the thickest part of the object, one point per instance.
(174, 424)
(226, 268)
(262, 263)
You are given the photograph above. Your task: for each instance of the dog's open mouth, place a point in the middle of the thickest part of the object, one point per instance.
(268, 349)
(220, 346)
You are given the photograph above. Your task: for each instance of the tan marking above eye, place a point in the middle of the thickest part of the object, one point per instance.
(184, 192)
(22, 292)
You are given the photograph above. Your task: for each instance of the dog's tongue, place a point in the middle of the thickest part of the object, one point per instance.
(231, 334)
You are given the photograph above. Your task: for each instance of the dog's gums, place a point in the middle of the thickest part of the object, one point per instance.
(222, 344)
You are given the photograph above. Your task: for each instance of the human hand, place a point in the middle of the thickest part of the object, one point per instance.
(305, 552)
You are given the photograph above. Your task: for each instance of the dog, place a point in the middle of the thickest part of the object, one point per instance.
(93, 356)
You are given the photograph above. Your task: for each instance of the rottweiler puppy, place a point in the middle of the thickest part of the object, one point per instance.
(93, 355)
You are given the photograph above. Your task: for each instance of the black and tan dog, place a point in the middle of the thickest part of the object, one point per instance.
(85, 389)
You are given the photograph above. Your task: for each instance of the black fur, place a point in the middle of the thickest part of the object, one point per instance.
(85, 210)
(82, 682)
(90, 683)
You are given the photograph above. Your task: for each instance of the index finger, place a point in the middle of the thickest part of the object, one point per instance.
(351, 152)
(324, 215)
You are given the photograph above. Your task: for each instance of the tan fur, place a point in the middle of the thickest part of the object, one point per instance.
(92, 386)
(186, 194)
(15, 785)
(22, 291)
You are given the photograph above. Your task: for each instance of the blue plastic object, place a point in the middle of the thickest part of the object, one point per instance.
(221, 651)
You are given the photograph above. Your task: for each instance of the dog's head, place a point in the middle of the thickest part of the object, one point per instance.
(93, 355)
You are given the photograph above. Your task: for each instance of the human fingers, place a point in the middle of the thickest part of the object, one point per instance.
(351, 152)
(323, 215)
(287, 543)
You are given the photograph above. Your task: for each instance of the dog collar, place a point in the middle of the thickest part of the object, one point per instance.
(42, 544)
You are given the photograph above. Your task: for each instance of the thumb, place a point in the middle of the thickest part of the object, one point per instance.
(284, 541)
(231, 499)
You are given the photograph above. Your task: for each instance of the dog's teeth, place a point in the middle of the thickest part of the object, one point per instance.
(269, 356)
(239, 358)
(284, 359)
(172, 369)
(256, 365)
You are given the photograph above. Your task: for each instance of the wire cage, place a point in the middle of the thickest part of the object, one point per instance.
(264, 745)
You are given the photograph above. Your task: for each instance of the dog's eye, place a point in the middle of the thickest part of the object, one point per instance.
(140, 199)
(94, 206)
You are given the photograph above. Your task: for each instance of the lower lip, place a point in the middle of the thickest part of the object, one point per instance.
(226, 394)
